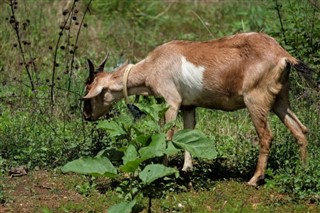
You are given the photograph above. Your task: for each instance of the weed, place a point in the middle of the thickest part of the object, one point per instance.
(44, 55)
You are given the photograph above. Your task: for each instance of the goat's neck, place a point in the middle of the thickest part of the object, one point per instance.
(136, 80)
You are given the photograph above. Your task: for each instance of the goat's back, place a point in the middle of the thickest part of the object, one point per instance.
(216, 73)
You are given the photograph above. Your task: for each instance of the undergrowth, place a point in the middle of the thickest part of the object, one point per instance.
(43, 69)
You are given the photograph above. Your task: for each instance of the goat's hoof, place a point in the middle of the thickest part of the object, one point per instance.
(252, 183)
(187, 169)
(255, 182)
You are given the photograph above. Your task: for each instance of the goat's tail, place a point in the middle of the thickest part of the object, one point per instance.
(304, 70)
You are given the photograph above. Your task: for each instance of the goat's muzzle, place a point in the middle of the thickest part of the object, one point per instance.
(87, 118)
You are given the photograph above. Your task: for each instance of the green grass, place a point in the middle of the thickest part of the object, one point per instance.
(56, 192)
(44, 128)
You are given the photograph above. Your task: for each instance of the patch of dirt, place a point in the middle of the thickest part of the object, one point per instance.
(39, 189)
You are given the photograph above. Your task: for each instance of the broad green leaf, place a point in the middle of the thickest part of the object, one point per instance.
(156, 148)
(153, 110)
(171, 149)
(143, 139)
(97, 166)
(130, 154)
(155, 171)
(131, 161)
(152, 126)
(123, 207)
(112, 127)
(131, 166)
(112, 154)
(196, 143)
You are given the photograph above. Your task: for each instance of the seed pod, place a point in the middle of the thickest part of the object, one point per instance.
(65, 12)
(24, 25)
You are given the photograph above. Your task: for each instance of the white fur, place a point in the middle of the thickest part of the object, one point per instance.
(191, 80)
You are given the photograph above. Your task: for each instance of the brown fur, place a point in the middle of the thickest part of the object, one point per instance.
(248, 70)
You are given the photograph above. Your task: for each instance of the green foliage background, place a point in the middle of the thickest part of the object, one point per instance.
(43, 128)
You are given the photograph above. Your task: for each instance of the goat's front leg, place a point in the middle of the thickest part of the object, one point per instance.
(171, 115)
(189, 122)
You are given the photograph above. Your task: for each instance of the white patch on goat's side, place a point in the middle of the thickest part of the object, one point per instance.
(191, 80)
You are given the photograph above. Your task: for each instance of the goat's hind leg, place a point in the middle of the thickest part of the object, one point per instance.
(298, 130)
(259, 119)
(259, 106)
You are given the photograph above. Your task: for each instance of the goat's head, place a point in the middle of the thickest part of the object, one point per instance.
(99, 97)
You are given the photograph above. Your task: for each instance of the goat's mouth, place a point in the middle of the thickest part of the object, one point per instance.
(101, 116)
(88, 118)
(91, 118)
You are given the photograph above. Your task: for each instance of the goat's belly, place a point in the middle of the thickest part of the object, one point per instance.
(216, 102)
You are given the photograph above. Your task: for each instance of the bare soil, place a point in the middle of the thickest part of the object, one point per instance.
(49, 191)
(40, 190)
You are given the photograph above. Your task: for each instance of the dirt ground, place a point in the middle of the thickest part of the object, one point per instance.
(49, 191)
(38, 191)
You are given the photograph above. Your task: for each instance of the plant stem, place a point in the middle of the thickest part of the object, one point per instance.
(15, 26)
(55, 57)
(280, 19)
(75, 44)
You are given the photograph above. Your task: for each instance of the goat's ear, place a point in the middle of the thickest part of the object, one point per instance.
(101, 66)
(92, 93)
(91, 71)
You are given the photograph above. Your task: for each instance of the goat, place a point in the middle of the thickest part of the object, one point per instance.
(245, 70)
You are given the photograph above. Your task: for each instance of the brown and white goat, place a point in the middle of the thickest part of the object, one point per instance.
(247, 70)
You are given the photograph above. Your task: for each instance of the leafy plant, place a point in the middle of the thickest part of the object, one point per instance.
(139, 157)
(43, 69)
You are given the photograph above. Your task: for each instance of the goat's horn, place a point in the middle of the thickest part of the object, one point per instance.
(101, 67)
(91, 70)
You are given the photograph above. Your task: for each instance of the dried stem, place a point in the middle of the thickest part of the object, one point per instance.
(15, 26)
(55, 56)
(280, 19)
(76, 42)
